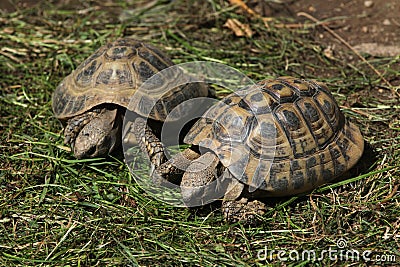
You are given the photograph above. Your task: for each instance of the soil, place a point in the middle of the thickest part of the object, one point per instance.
(371, 26)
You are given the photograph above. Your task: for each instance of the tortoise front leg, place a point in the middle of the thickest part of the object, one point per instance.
(200, 183)
(238, 208)
(140, 133)
(76, 124)
(148, 142)
(175, 167)
(206, 180)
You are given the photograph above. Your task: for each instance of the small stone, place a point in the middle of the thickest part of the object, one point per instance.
(368, 3)
(387, 22)
(364, 29)
(347, 28)
(328, 52)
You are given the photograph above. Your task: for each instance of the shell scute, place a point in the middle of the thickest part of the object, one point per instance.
(144, 70)
(297, 131)
(85, 76)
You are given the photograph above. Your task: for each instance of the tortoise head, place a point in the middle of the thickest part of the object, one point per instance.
(99, 136)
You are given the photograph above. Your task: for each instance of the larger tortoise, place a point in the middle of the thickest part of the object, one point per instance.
(280, 137)
(91, 101)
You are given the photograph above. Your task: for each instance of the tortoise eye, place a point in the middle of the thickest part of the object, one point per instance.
(91, 150)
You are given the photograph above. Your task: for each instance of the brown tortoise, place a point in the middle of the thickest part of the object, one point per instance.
(281, 137)
(91, 101)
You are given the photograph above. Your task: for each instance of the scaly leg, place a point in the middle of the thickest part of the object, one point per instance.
(75, 125)
(173, 169)
(148, 142)
(200, 183)
(238, 208)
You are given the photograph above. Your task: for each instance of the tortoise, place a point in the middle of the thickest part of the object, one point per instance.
(279, 137)
(92, 100)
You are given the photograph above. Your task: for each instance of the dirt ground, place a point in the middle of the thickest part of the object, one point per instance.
(370, 26)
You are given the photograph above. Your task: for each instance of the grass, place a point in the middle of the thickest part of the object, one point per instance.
(59, 211)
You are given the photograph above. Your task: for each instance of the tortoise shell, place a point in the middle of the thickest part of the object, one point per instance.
(284, 136)
(113, 74)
